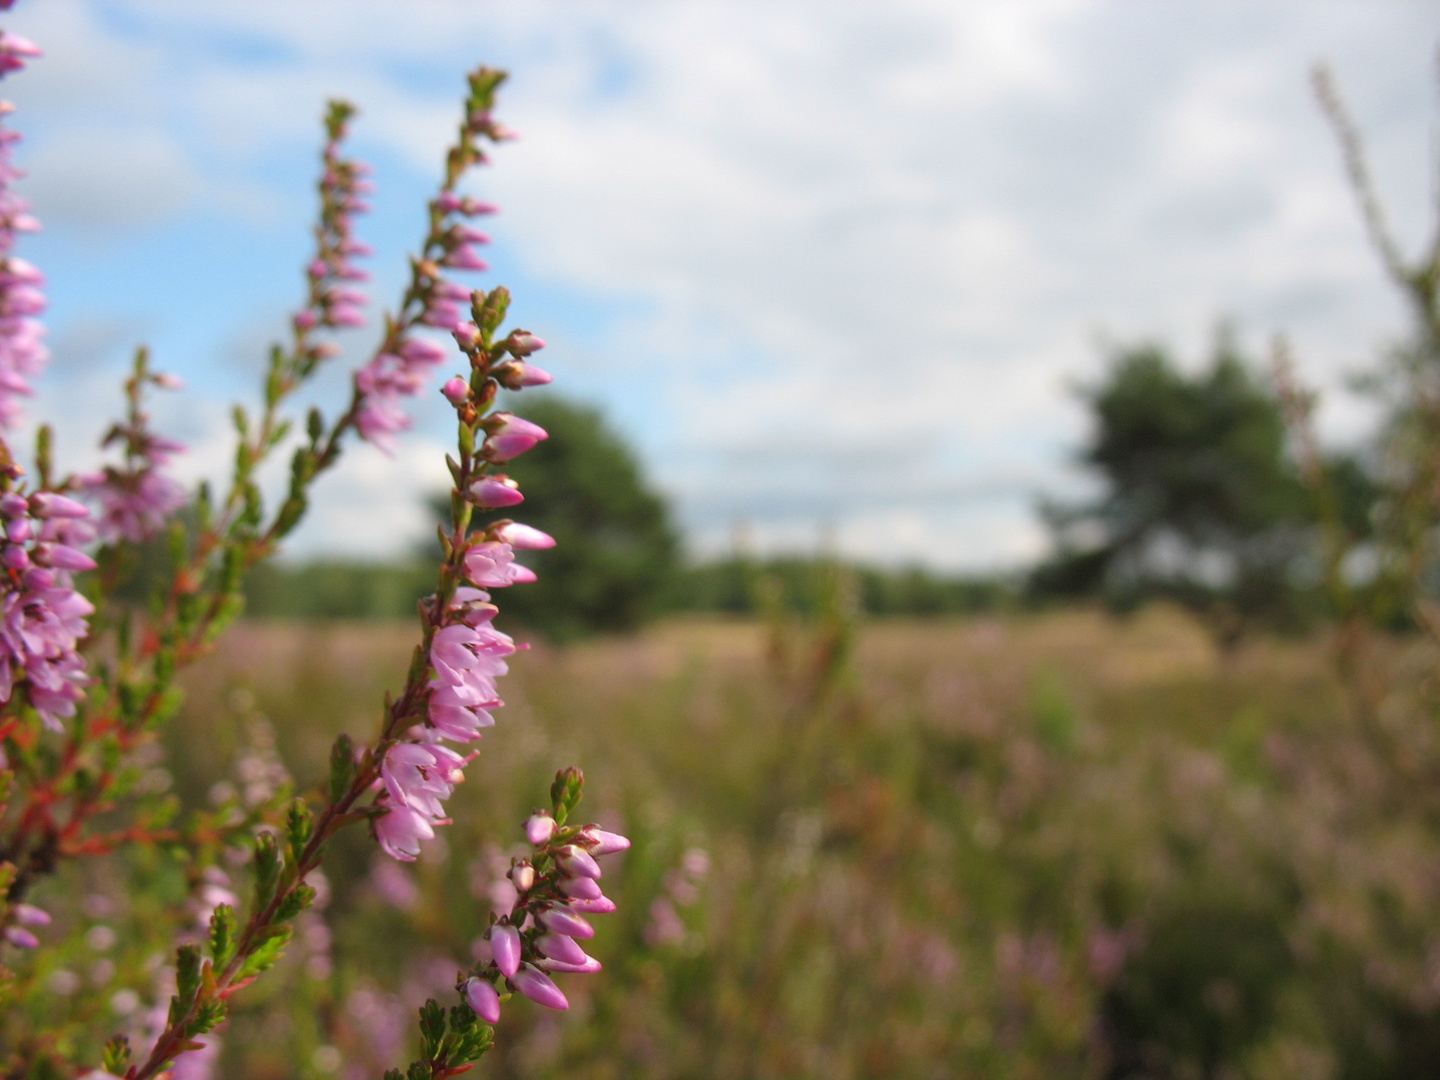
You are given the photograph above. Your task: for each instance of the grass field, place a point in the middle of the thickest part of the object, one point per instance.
(1028, 846)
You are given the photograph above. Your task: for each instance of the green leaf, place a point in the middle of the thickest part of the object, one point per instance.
(295, 901)
(342, 767)
(268, 863)
(222, 934)
(268, 953)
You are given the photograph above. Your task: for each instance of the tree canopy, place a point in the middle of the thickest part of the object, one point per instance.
(1201, 501)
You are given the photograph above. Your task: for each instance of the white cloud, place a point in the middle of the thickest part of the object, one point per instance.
(886, 233)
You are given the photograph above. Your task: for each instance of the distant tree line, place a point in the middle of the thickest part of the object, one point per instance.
(1202, 503)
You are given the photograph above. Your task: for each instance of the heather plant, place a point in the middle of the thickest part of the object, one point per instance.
(208, 898)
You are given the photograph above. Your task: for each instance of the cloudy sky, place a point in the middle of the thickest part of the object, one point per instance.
(833, 268)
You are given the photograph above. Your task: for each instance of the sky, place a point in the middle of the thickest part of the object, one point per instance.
(834, 270)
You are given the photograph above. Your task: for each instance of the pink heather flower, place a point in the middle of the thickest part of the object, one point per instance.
(466, 334)
(539, 828)
(456, 391)
(512, 437)
(491, 564)
(42, 617)
(463, 257)
(516, 375)
(576, 861)
(134, 507)
(484, 999)
(451, 203)
(47, 504)
(21, 938)
(30, 915)
(589, 967)
(562, 921)
(522, 344)
(523, 537)
(505, 947)
(580, 888)
(559, 947)
(421, 776)
(601, 842)
(495, 492)
(400, 831)
(384, 381)
(14, 50)
(601, 905)
(536, 985)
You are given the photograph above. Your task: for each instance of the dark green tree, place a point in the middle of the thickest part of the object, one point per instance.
(616, 552)
(1202, 503)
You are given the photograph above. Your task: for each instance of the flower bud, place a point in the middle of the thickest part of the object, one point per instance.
(47, 504)
(577, 862)
(493, 492)
(599, 841)
(562, 921)
(456, 391)
(484, 999)
(24, 939)
(30, 915)
(523, 537)
(536, 985)
(582, 888)
(601, 905)
(559, 947)
(522, 344)
(505, 944)
(467, 335)
(523, 877)
(515, 375)
(539, 828)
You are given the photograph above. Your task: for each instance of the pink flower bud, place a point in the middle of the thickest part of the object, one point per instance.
(589, 967)
(30, 915)
(418, 350)
(601, 905)
(456, 391)
(516, 375)
(577, 862)
(169, 382)
(559, 947)
(536, 985)
(24, 939)
(581, 888)
(562, 921)
(523, 876)
(12, 505)
(493, 492)
(484, 999)
(523, 344)
(467, 335)
(601, 842)
(539, 828)
(505, 944)
(523, 537)
(47, 504)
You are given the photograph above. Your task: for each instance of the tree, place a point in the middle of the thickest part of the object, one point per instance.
(616, 551)
(1202, 504)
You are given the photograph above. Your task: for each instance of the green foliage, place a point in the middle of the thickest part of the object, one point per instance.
(1202, 503)
(616, 552)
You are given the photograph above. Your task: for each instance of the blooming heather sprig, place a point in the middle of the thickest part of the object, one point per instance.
(401, 368)
(466, 653)
(136, 497)
(556, 888)
(22, 349)
(333, 303)
(42, 617)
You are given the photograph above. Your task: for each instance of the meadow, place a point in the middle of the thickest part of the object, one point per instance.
(1028, 845)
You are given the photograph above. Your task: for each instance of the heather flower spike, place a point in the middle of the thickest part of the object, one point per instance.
(72, 793)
